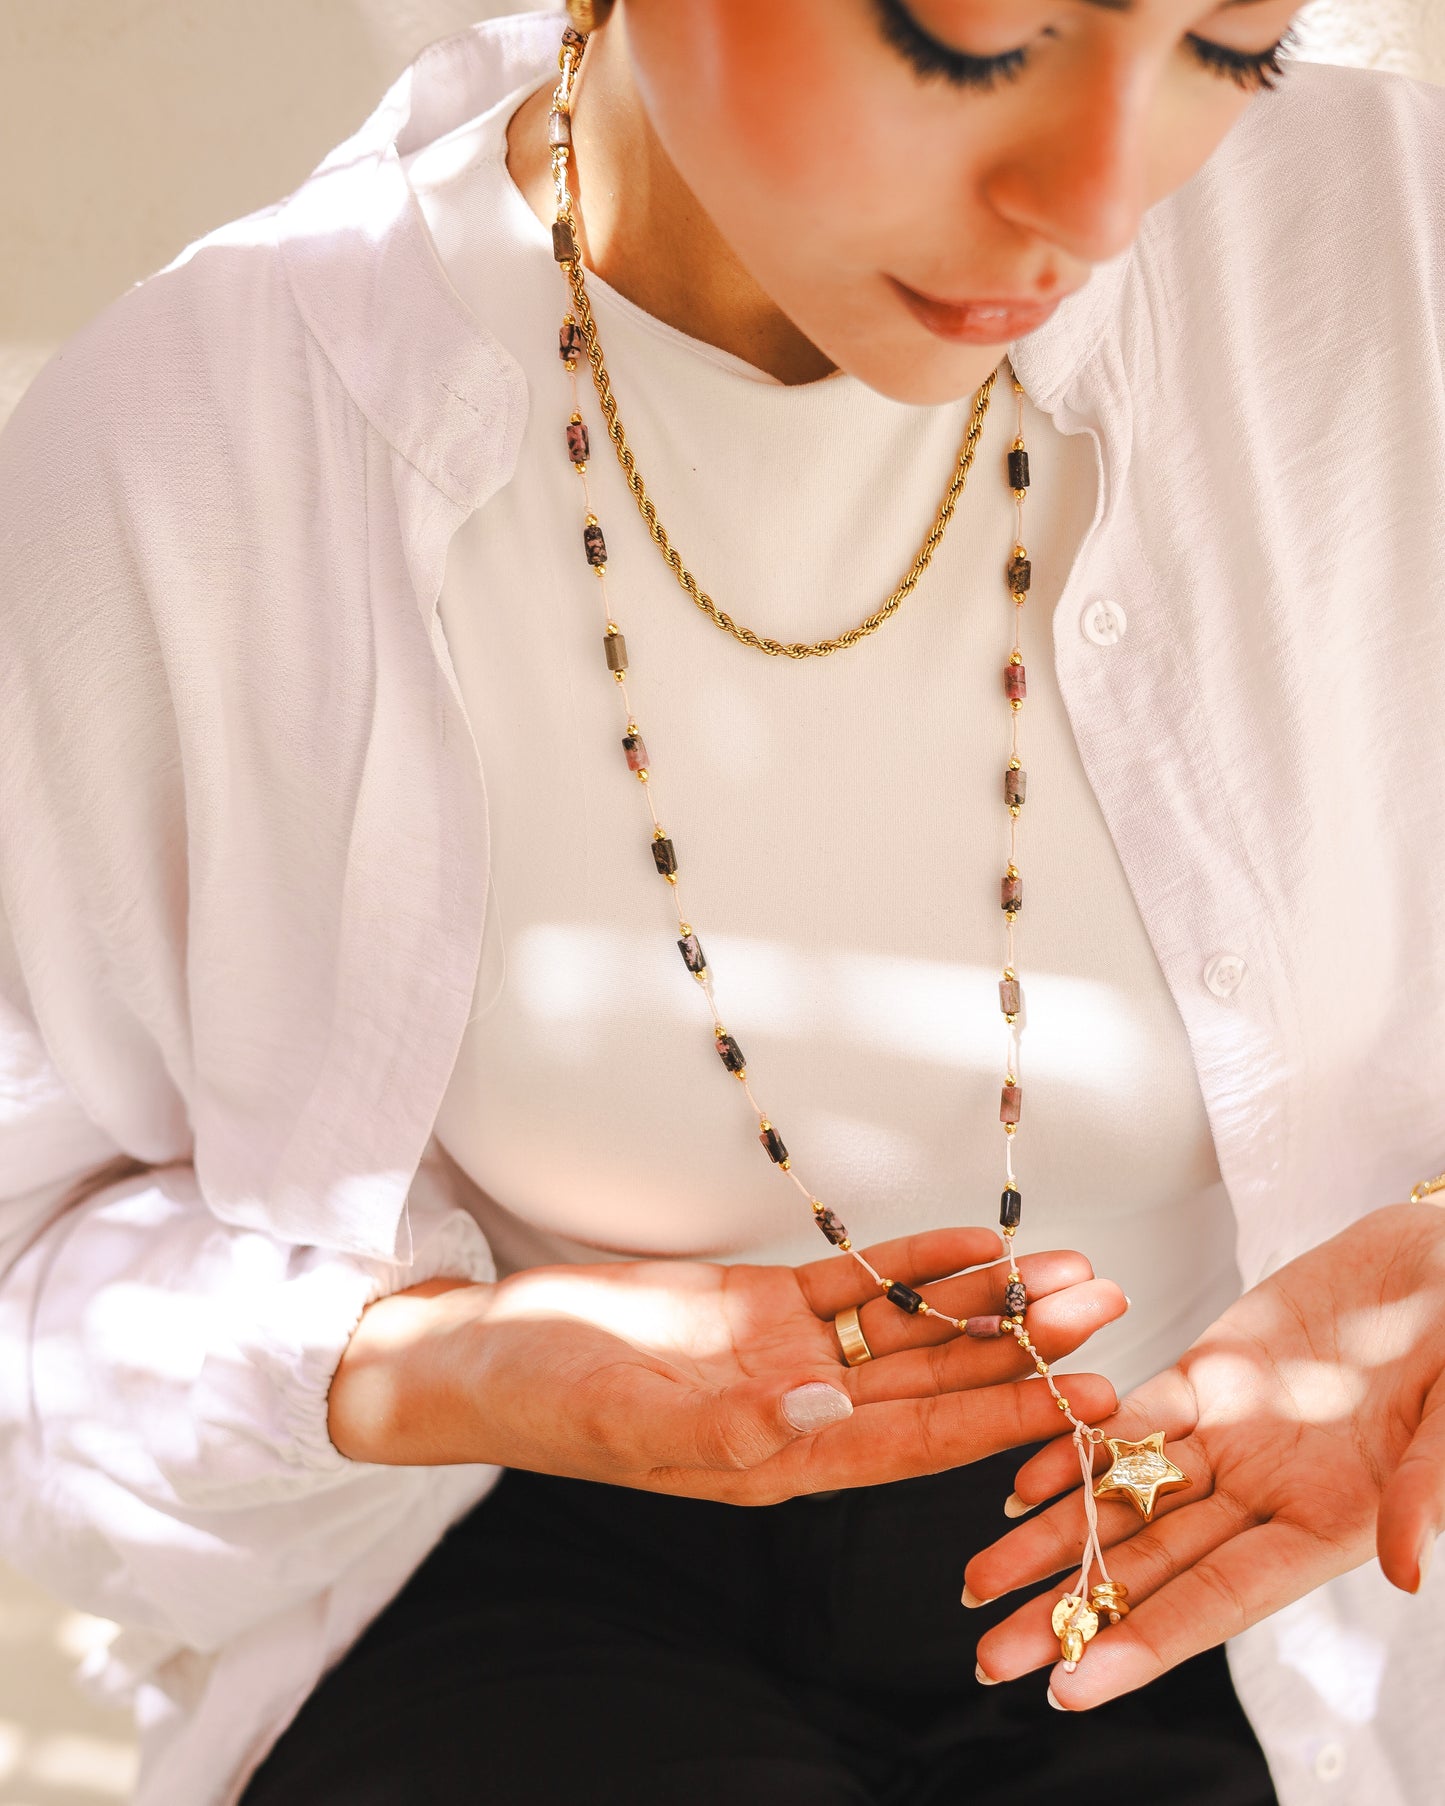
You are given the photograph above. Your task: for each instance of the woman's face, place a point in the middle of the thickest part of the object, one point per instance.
(865, 158)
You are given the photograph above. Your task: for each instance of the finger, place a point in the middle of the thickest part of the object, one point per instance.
(1258, 1572)
(830, 1285)
(900, 1439)
(1054, 1540)
(1058, 1323)
(888, 1329)
(1156, 1556)
(1412, 1508)
(1165, 1402)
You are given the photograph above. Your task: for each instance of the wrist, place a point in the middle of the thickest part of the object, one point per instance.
(389, 1397)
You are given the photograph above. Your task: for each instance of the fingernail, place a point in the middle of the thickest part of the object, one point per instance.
(1422, 1560)
(1014, 1506)
(810, 1407)
(971, 1598)
(1127, 1299)
(985, 1680)
(1054, 1703)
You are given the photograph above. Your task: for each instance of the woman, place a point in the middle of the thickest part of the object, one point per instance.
(314, 1036)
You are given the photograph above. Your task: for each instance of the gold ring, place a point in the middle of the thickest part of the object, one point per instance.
(855, 1345)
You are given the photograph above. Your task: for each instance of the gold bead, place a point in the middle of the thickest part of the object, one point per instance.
(1012, 871)
(817, 1207)
(883, 1284)
(643, 775)
(633, 728)
(1014, 809)
(600, 570)
(672, 877)
(1063, 1404)
(1018, 445)
(1016, 657)
(1008, 971)
(1011, 1231)
(961, 1322)
(621, 676)
(581, 469)
(764, 1124)
(925, 1309)
(1021, 551)
(576, 420)
(1009, 1128)
(786, 1165)
(845, 1244)
(591, 520)
(1021, 495)
(1010, 1015)
(684, 928)
(1015, 703)
(1013, 764)
(612, 628)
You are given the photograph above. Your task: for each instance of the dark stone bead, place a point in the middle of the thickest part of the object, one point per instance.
(773, 1142)
(665, 856)
(1010, 1208)
(570, 342)
(731, 1054)
(564, 241)
(1015, 1298)
(1018, 470)
(905, 1298)
(572, 39)
(1009, 996)
(615, 646)
(1020, 575)
(827, 1221)
(559, 130)
(594, 544)
(983, 1326)
(1015, 785)
(1015, 685)
(1011, 892)
(578, 448)
(1010, 1103)
(692, 955)
(636, 752)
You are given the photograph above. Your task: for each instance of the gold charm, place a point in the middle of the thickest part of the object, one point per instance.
(1111, 1597)
(1075, 1624)
(1141, 1471)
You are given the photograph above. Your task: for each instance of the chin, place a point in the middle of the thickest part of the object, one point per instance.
(923, 375)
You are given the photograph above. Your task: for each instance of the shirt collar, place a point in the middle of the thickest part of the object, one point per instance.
(367, 281)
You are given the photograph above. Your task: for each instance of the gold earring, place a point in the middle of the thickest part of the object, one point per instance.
(587, 15)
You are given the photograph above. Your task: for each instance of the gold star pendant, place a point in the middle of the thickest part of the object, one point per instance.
(1141, 1471)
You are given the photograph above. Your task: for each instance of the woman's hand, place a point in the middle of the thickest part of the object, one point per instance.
(718, 1382)
(1310, 1420)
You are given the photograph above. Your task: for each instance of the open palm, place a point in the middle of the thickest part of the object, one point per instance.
(673, 1375)
(1310, 1419)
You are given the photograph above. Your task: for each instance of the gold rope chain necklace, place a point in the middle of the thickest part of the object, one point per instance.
(760, 642)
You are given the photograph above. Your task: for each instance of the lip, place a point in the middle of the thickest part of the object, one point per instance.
(994, 320)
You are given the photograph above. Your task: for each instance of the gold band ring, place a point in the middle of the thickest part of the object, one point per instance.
(855, 1345)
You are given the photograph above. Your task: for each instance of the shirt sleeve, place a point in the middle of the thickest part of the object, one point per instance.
(164, 1455)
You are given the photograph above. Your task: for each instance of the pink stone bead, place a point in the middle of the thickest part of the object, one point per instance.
(1014, 685)
(577, 446)
(1011, 893)
(1010, 1103)
(1015, 784)
(636, 751)
(559, 129)
(1009, 996)
(984, 1326)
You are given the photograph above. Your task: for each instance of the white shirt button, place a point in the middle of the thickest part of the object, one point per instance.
(1330, 1761)
(1224, 974)
(1104, 622)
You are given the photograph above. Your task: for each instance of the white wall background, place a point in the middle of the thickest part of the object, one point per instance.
(128, 128)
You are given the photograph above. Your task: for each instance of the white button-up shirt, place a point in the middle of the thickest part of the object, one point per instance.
(243, 851)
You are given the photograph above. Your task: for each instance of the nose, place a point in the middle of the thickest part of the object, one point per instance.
(1077, 175)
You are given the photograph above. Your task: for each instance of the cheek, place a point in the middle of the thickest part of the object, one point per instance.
(788, 130)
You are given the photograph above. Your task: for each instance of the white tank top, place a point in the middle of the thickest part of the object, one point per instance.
(839, 827)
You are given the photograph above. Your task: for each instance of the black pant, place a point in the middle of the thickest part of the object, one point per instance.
(570, 1644)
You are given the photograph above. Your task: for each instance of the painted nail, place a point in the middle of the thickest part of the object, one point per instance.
(1422, 1560)
(971, 1598)
(1054, 1703)
(984, 1680)
(1014, 1506)
(810, 1407)
(1127, 1299)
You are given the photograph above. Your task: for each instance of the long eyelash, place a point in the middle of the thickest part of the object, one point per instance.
(930, 58)
(1266, 69)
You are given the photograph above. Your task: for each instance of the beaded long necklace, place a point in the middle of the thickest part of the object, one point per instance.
(1140, 1471)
